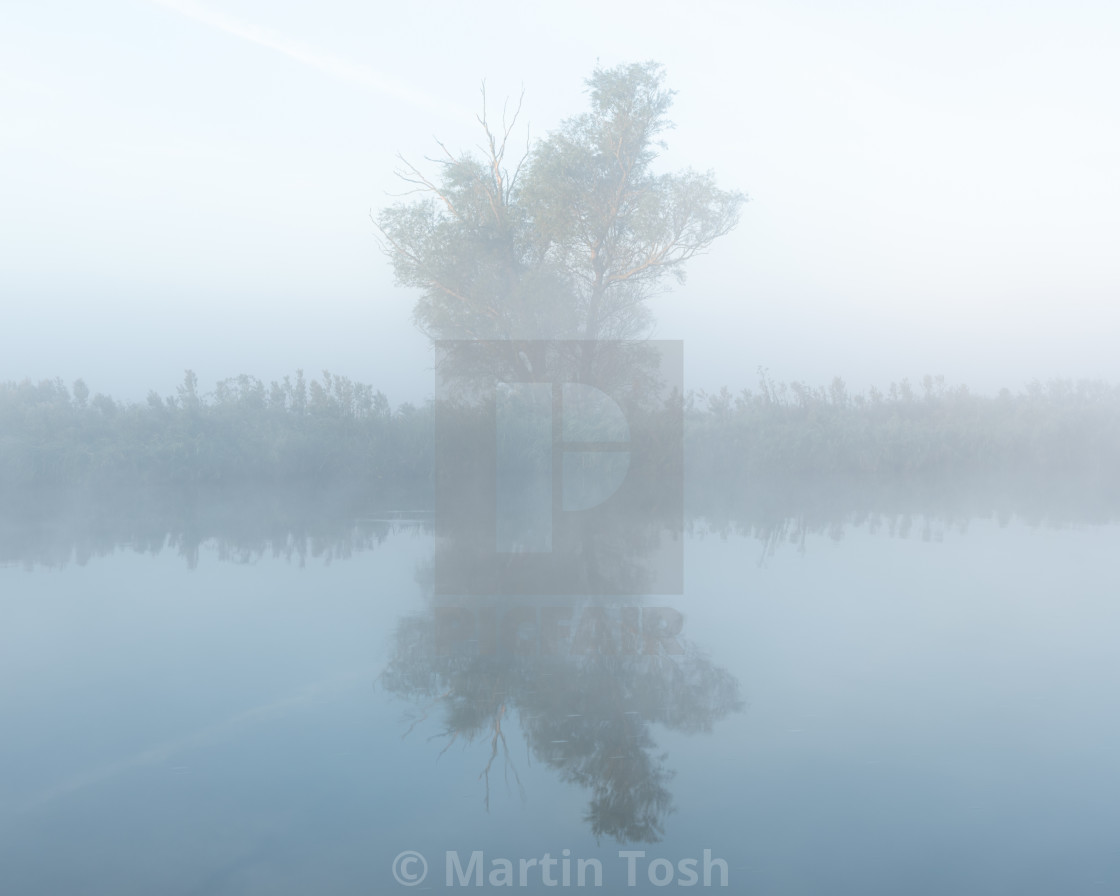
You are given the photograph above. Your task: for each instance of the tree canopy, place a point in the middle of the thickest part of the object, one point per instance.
(569, 240)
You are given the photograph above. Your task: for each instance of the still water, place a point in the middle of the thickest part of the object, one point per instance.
(861, 713)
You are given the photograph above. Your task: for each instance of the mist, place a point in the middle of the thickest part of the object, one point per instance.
(457, 446)
(191, 187)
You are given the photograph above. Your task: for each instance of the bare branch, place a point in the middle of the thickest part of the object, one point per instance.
(413, 175)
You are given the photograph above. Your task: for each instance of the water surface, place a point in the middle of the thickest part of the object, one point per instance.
(862, 713)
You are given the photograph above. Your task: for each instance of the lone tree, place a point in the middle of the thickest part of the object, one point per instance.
(570, 241)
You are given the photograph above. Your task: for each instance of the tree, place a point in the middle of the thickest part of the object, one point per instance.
(572, 240)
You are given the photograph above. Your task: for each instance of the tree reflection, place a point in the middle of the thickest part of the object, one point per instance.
(586, 683)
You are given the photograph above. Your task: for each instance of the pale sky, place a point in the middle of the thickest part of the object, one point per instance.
(935, 187)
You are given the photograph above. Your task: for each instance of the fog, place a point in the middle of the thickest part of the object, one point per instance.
(189, 185)
(379, 496)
